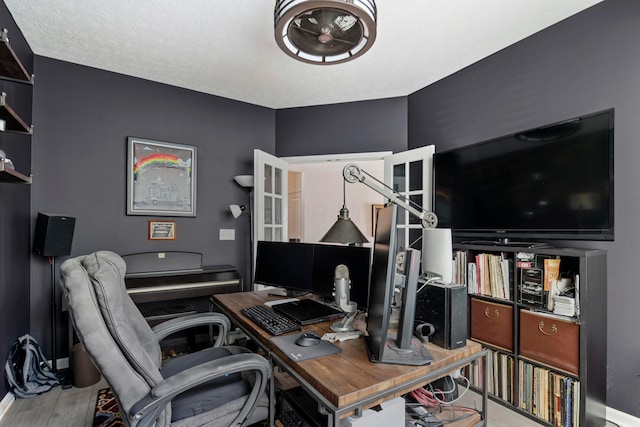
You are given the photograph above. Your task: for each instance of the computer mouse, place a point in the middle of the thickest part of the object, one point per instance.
(308, 339)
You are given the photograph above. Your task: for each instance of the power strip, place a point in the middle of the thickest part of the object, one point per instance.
(426, 417)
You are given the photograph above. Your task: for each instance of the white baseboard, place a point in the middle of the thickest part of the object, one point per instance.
(61, 363)
(622, 418)
(5, 403)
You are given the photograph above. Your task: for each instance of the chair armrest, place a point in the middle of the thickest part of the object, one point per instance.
(169, 327)
(149, 408)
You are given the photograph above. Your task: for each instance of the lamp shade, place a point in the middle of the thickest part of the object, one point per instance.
(344, 230)
(236, 210)
(245, 181)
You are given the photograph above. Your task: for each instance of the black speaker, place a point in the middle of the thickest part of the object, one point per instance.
(445, 307)
(54, 234)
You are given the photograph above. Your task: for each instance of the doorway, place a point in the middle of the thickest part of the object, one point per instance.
(316, 197)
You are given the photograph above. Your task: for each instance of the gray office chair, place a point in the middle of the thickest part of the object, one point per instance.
(217, 386)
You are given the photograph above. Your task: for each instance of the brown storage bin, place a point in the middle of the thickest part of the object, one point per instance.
(550, 340)
(492, 323)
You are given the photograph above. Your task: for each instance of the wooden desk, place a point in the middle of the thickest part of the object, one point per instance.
(348, 382)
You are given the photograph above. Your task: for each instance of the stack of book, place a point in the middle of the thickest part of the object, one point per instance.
(552, 397)
(565, 306)
(489, 275)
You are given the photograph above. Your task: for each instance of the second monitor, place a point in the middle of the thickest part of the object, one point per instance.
(311, 267)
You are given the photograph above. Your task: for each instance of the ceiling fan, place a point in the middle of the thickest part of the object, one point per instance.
(325, 31)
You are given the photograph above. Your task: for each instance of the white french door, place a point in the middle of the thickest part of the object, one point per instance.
(270, 194)
(410, 174)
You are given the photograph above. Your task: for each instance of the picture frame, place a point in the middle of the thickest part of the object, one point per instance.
(161, 178)
(374, 217)
(162, 230)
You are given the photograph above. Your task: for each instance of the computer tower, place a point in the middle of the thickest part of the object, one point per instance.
(295, 408)
(445, 307)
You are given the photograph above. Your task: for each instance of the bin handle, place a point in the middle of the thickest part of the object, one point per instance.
(487, 313)
(554, 328)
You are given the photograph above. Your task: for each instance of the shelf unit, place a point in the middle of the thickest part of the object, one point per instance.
(11, 69)
(536, 352)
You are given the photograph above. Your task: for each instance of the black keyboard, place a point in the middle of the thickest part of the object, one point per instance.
(269, 320)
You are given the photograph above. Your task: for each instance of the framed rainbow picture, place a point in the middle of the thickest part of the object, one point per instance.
(161, 178)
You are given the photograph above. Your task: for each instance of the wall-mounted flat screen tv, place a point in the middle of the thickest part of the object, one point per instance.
(552, 182)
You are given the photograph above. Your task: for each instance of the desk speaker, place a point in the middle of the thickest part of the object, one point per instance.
(54, 234)
(445, 307)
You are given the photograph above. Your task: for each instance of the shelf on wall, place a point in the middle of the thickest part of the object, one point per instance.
(10, 175)
(13, 122)
(10, 66)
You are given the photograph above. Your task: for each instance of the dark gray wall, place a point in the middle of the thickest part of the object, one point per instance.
(366, 126)
(82, 118)
(15, 202)
(587, 63)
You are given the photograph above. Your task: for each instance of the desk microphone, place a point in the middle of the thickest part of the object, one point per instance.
(342, 284)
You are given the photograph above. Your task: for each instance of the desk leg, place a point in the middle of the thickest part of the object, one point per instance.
(272, 394)
(485, 392)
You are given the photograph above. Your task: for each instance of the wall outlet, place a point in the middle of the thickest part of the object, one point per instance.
(227, 234)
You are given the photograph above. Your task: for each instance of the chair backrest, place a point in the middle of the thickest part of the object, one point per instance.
(116, 336)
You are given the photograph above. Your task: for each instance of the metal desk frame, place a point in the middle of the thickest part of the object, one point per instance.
(335, 413)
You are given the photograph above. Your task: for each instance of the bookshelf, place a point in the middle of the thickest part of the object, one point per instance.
(12, 71)
(545, 328)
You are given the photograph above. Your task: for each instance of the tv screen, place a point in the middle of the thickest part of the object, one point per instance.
(553, 182)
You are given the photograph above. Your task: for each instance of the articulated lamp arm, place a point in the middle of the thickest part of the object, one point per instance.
(352, 174)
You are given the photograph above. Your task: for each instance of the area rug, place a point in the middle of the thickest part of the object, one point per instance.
(107, 413)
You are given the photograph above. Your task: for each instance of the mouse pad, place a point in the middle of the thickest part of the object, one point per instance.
(287, 343)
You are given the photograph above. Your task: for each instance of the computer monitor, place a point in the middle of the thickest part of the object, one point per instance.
(285, 265)
(310, 267)
(382, 345)
(358, 261)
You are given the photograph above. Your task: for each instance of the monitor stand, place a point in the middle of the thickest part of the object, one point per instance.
(416, 354)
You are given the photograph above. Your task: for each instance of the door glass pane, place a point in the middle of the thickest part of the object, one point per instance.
(268, 209)
(267, 234)
(402, 216)
(398, 178)
(401, 238)
(415, 238)
(417, 199)
(268, 182)
(415, 175)
(278, 235)
(278, 181)
(277, 211)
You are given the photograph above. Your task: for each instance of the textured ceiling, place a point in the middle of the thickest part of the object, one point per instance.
(227, 48)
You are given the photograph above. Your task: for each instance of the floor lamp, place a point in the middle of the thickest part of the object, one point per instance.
(246, 182)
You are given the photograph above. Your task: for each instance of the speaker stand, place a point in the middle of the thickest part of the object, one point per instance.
(54, 310)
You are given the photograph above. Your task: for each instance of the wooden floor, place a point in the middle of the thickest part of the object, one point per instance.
(74, 408)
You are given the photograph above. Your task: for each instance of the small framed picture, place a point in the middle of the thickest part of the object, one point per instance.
(162, 230)
(374, 217)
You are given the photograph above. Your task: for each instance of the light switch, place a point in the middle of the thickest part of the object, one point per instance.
(227, 234)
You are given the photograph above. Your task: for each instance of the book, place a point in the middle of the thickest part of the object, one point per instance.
(551, 272)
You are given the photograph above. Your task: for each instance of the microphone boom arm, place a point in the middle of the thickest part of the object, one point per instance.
(352, 174)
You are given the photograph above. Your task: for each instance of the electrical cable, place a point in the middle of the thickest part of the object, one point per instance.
(432, 279)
